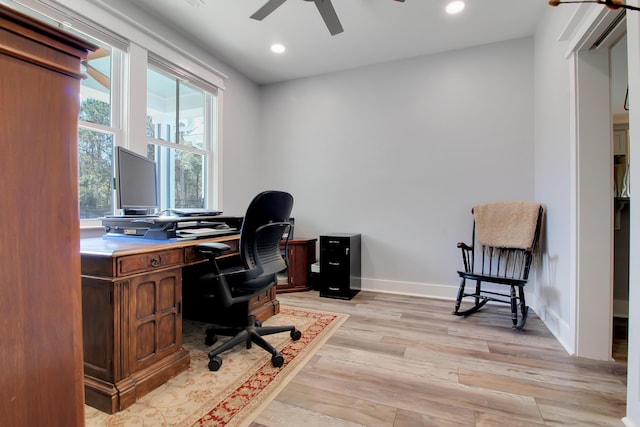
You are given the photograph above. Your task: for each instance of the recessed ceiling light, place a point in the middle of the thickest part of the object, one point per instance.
(277, 48)
(455, 7)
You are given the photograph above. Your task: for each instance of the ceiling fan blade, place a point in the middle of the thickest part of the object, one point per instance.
(100, 53)
(98, 76)
(265, 10)
(329, 16)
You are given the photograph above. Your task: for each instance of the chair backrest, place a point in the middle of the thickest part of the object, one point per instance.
(505, 238)
(262, 228)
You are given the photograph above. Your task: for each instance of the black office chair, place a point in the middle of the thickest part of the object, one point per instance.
(264, 224)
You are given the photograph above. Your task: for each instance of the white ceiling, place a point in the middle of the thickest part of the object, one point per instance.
(375, 31)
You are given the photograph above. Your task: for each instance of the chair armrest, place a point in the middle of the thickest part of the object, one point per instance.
(467, 256)
(222, 282)
(213, 249)
(464, 246)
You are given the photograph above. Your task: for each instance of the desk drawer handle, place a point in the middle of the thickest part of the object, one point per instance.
(155, 261)
(334, 263)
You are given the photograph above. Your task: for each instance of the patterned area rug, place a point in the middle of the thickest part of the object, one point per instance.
(242, 387)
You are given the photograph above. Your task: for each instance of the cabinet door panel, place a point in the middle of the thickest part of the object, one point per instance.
(156, 317)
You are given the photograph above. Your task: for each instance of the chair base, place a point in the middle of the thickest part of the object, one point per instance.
(480, 297)
(252, 333)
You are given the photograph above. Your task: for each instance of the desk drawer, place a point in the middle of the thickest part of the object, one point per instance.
(148, 262)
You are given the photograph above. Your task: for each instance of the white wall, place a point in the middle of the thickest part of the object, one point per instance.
(242, 139)
(553, 160)
(400, 152)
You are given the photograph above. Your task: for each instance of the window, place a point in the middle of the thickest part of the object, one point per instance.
(97, 133)
(180, 122)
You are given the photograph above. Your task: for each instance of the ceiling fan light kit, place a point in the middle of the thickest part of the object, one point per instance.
(325, 7)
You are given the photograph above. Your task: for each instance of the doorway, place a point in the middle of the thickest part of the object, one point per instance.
(621, 199)
(592, 124)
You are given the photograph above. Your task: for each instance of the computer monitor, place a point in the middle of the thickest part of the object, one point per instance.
(136, 183)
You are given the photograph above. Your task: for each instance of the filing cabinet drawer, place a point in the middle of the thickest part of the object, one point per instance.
(335, 288)
(336, 267)
(150, 261)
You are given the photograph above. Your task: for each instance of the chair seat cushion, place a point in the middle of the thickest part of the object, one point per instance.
(253, 287)
(501, 280)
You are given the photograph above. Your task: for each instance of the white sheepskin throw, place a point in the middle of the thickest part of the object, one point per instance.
(509, 224)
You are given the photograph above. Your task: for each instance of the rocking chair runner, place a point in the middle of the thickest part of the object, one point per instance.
(504, 238)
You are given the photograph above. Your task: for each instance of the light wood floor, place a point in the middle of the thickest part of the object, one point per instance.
(405, 361)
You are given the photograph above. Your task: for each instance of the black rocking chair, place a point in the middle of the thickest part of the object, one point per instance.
(505, 235)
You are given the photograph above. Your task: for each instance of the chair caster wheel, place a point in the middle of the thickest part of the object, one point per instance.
(295, 335)
(210, 340)
(214, 363)
(277, 360)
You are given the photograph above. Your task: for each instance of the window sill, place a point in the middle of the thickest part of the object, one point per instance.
(91, 229)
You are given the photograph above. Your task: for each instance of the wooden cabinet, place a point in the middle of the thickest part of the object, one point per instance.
(132, 326)
(301, 253)
(41, 356)
(132, 307)
(132, 337)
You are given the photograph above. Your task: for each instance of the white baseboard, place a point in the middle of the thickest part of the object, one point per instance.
(410, 288)
(558, 327)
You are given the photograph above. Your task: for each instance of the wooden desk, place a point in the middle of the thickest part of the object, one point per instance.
(132, 315)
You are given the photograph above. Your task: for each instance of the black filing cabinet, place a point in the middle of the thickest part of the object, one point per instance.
(340, 265)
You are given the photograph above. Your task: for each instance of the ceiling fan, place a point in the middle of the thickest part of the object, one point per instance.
(325, 8)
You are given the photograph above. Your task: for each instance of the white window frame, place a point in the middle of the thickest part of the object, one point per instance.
(210, 149)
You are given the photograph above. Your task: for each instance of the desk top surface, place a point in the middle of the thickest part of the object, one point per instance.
(132, 245)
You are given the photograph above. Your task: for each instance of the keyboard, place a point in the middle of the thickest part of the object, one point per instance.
(131, 216)
(203, 232)
(194, 212)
